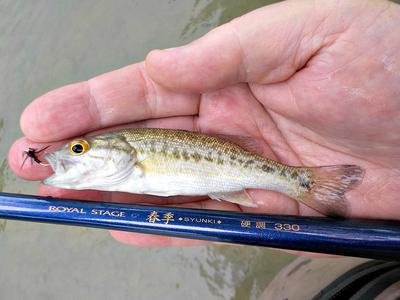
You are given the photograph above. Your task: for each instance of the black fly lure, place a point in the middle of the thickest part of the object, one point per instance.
(31, 153)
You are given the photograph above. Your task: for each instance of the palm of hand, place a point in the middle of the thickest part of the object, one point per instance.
(339, 109)
(346, 129)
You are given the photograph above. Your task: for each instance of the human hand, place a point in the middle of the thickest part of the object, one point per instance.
(318, 85)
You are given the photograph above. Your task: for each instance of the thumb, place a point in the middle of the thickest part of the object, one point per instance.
(264, 46)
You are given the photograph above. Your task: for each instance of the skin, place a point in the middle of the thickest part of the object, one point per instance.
(315, 85)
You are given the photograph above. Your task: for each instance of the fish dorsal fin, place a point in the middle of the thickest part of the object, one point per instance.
(239, 197)
(248, 143)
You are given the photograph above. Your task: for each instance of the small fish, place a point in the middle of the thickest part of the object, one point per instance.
(167, 162)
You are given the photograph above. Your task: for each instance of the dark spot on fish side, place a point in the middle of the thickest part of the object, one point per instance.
(240, 161)
(208, 159)
(152, 147)
(164, 149)
(267, 168)
(305, 183)
(196, 156)
(233, 157)
(282, 172)
(220, 161)
(176, 154)
(185, 155)
(249, 162)
(294, 175)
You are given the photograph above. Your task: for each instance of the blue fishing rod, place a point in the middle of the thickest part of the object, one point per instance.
(359, 238)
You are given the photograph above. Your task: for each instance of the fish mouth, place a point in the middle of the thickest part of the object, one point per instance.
(60, 168)
(58, 165)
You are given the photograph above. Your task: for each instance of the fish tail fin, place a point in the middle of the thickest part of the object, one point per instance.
(326, 188)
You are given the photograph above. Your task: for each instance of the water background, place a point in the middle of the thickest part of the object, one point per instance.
(47, 44)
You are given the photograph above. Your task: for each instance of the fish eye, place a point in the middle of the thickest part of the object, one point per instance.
(78, 147)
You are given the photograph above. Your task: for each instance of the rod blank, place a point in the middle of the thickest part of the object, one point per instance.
(360, 238)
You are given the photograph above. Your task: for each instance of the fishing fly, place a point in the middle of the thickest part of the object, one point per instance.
(31, 153)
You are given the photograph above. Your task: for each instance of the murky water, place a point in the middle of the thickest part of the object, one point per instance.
(47, 44)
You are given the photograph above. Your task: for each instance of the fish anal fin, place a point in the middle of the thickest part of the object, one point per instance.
(239, 197)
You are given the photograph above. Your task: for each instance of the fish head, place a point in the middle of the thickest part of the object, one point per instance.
(93, 163)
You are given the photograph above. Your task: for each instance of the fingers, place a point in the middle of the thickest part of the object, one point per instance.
(148, 240)
(271, 202)
(264, 46)
(119, 97)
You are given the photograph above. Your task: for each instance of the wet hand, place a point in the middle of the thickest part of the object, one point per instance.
(318, 85)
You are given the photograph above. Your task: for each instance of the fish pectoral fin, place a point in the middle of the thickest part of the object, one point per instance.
(138, 170)
(240, 197)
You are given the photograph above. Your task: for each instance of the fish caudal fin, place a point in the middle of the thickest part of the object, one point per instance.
(327, 187)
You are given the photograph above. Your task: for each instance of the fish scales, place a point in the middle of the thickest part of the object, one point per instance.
(168, 162)
(169, 152)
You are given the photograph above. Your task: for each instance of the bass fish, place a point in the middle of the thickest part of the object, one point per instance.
(167, 162)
